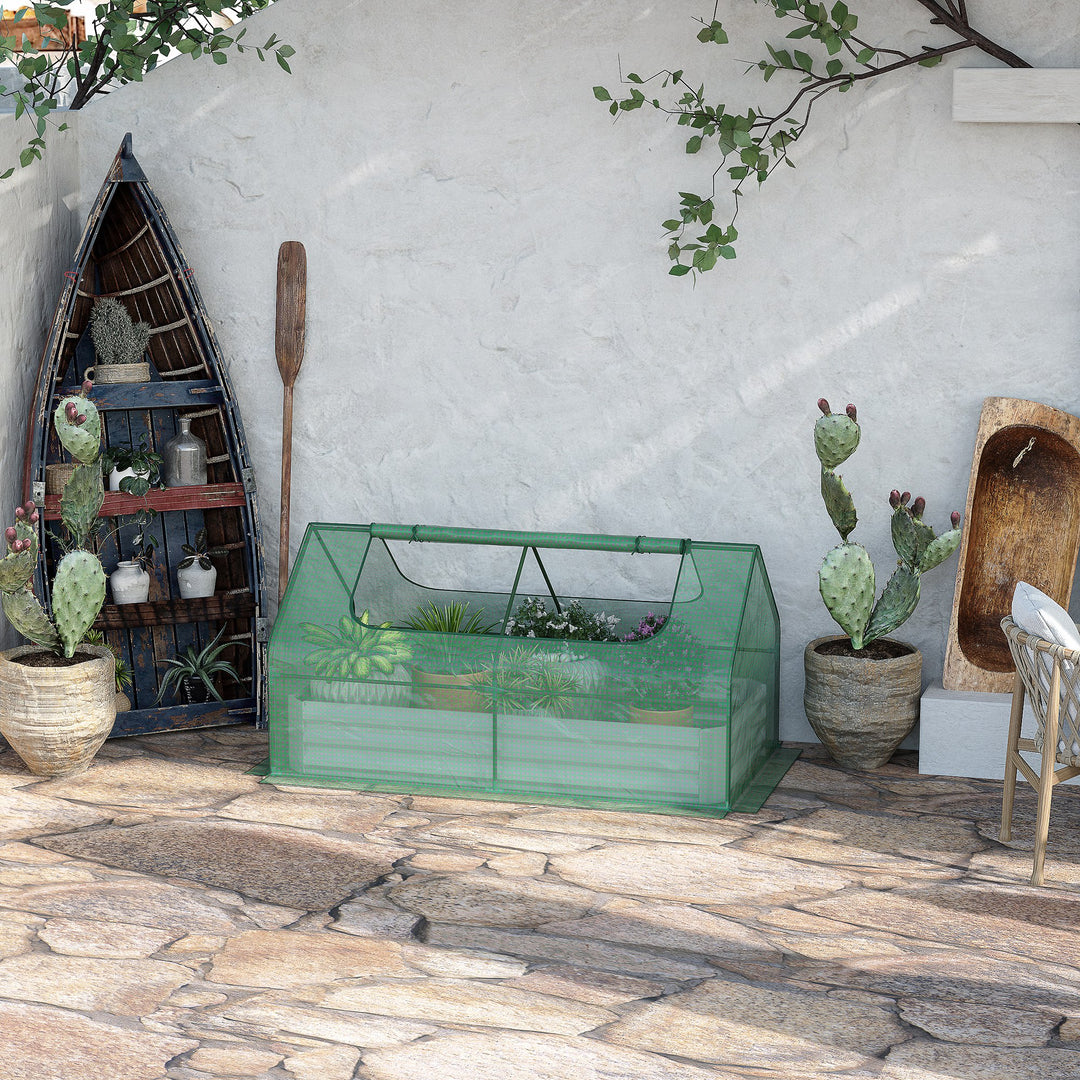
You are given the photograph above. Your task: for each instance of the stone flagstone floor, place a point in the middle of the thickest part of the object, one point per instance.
(166, 915)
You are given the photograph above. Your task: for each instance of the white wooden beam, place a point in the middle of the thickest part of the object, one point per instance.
(1016, 95)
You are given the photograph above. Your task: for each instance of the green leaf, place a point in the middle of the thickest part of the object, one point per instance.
(221, 58)
(864, 56)
(804, 60)
(679, 270)
(738, 172)
(693, 145)
(930, 61)
(839, 12)
(600, 94)
(282, 62)
(634, 78)
(834, 67)
(802, 31)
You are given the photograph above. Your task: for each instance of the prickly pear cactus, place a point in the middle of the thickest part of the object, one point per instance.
(79, 586)
(846, 579)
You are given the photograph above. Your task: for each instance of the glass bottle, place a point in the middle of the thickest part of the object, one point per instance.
(185, 458)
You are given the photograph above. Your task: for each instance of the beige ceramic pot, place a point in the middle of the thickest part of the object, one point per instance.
(56, 718)
(672, 717)
(862, 709)
(456, 693)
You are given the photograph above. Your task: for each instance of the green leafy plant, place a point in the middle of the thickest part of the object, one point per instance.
(117, 339)
(144, 462)
(122, 47)
(445, 652)
(200, 553)
(198, 667)
(355, 648)
(752, 143)
(524, 681)
(452, 618)
(846, 579)
(531, 619)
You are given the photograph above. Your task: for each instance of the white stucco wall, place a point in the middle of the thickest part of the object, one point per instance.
(493, 339)
(38, 222)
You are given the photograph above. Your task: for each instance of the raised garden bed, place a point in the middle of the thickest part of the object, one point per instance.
(682, 717)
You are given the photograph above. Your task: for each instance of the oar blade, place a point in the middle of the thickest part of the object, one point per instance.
(291, 309)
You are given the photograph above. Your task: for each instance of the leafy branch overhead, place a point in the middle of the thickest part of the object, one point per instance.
(831, 55)
(128, 39)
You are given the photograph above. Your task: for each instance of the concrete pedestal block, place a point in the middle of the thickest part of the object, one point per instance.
(963, 733)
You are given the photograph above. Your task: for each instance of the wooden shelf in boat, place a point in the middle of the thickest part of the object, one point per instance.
(239, 605)
(193, 497)
(159, 394)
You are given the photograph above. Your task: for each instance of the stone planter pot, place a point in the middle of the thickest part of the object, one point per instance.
(861, 709)
(56, 718)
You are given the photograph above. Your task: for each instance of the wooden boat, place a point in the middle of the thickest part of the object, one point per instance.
(1022, 523)
(129, 251)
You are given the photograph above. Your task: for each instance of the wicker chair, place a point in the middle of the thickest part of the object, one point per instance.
(1049, 675)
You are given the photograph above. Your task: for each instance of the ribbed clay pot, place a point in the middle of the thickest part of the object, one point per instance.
(56, 718)
(861, 709)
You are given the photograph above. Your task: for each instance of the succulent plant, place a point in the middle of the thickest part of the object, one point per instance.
(198, 668)
(356, 649)
(200, 553)
(78, 589)
(846, 579)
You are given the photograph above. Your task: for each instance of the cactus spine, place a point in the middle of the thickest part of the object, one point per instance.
(846, 579)
(79, 586)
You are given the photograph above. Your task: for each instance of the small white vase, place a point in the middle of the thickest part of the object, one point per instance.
(116, 476)
(194, 581)
(130, 583)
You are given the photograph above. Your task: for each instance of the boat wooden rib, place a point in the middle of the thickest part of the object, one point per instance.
(1022, 523)
(129, 251)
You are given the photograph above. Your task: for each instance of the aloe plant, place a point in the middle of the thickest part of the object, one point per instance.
(198, 667)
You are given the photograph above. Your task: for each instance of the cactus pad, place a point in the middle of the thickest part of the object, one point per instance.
(835, 438)
(82, 441)
(82, 498)
(26, 614)
(838, 502)
(939, 549)
(898, 600)
(846, 582)
(78, 593)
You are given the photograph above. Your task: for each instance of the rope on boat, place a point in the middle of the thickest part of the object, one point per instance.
(131, 292)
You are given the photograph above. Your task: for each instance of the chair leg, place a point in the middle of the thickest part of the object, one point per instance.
(1009, 793)
(1046, 776)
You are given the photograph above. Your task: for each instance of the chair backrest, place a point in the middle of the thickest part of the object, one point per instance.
(1035, 660)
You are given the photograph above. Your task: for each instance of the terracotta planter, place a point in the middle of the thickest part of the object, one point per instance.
(56, 718)
(861, 709)
(453, 692)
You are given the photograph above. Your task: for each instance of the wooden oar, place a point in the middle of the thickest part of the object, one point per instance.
(289, 344)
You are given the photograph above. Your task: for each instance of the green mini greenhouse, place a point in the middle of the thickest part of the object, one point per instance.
(480, 663)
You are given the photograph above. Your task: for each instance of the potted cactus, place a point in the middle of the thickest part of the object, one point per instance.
(119, 344)
(863, 688)
(57, 695)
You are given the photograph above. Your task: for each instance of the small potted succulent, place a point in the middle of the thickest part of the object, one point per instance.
(191, 676)
(666, 672)
(57, 695)
(449, 666)
(196, 575)
(357, 661)
(119, 344)
(531, 619)
(132, 470)
(863, 688)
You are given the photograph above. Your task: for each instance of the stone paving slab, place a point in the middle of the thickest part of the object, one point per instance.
(167, 917)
